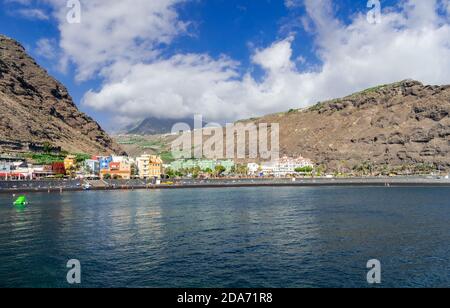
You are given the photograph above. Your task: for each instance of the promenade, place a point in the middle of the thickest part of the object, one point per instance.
(77, 185)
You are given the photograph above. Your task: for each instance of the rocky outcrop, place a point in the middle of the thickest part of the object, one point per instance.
(36, 110)
(394, 125)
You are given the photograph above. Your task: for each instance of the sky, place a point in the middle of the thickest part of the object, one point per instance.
(123, 61)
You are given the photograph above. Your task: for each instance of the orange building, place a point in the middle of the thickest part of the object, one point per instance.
(119, 170)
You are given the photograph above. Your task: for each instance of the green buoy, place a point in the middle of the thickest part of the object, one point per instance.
(21, 201)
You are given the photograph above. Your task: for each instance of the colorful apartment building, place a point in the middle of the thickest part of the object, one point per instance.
(104, 162)
(149, 166)
(58, 168)
(92, 166)
(117, 170)
(70, 162)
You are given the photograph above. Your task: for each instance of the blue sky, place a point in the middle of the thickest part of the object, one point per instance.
(227, 59)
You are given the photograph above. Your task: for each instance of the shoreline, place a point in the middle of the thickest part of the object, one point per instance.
(348, 182)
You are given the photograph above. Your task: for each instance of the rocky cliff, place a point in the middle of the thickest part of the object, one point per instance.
(393, 126)
(37, 111)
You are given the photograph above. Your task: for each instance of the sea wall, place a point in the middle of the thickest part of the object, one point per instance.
(61, 186)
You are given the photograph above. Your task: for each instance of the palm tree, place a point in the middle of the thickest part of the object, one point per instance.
(219, 170)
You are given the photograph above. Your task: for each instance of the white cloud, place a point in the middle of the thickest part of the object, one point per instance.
(169, 88)
(413, 42)
(291, 3)
(446, 6)
(275, 58)
(33, 14)
(123, 44)
(116, 31)
(187, 84)
(22, 9)
(46, 48)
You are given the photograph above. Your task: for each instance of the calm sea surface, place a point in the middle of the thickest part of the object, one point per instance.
(234, 237)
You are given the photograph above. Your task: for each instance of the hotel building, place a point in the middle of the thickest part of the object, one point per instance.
(285, 166)
(149, 166)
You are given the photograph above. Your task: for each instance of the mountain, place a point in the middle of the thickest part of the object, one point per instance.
(155, 126)
(391, 127)
(38, 112)
(401, 127)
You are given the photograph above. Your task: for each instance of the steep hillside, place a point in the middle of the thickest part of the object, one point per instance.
(402, 127)
(391, 126)
(37, 111)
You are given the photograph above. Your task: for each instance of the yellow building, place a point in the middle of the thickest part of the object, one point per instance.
(69, 163)
(149, 166)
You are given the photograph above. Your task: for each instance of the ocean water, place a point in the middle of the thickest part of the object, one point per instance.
(233, 237)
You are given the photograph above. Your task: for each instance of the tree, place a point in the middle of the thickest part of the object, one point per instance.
(320, 170)
(134, 170)
(307, 169)
(239, 169)
(366, 168)
(219, 170)
(183, 172)
(170, 173)
(48, 147)
(242, 169)
(209, 171)
(88, 170)
(71, 172)
(196, 172)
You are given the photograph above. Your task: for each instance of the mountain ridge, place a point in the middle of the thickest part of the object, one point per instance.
(157, 126)
(398, 127)
(38, 111)
(395, 125)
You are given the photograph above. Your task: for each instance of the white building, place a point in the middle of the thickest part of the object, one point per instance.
(285, 166)
(122, 159)
(268, 169)
(253, 169)
(16, 170)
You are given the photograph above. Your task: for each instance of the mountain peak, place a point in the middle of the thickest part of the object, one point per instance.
(156, 126)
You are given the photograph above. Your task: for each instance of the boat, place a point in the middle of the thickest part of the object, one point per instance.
(21, 201)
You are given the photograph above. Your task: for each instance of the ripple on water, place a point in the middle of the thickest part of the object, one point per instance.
(252, 237)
